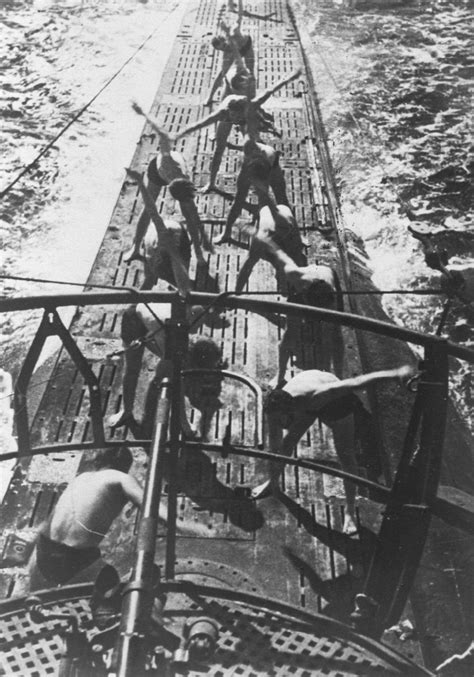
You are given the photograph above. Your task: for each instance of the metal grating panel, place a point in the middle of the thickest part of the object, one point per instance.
(252, 642)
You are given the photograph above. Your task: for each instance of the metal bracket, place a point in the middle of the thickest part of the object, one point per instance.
(51, 325)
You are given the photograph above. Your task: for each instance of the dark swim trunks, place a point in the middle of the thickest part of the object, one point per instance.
(59, 563)
(132, 326)
(319, 295)
(164, 262)
(246, 46)
(154, 176)
(340, 408)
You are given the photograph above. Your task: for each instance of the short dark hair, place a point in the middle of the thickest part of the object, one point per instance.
(218, 42)
(319, 294)
(279, 400)
(182, 189)
(204, 353)
(237, 81)
(117, 459)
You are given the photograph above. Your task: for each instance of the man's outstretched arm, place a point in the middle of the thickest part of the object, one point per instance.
(165, 139)
(205, 121)
(360, 382)
(260, 100)
(337, 389)
(132, 490)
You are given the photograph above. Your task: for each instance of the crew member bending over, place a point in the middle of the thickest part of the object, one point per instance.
(312, 395)
(238, 62)
(143, 325)
(157, 262)
(237, 51)
(68, 543)
(276, 240)
(168, 168)
(261, 170)
(234, 110)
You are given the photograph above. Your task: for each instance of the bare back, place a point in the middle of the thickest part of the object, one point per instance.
(89, 504)
(313, 386)
(171, 166)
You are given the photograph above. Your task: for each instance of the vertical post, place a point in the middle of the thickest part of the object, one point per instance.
(138, 597)
(176, 347)
(407, 517)
(20, 400)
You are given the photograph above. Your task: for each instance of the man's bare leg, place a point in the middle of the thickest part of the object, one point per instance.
(245, 272)
(223, 129)
(278, 185)
(243, 187)
(195, 228)
(344, 441)
(133, 363)
(270, 487)
(142, 225)
(284, 354)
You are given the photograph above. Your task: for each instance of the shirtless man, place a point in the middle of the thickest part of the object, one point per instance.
(233, 110)
(276, 240)
(238, 59)
(68, 543)
(235, 47)
(168, 168)
(260, 170)
(156, 259)
(312, 395)
(144, 325)
(317, 286)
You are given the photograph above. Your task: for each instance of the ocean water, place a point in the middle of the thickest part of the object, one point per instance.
(393, 81)
(56, 57)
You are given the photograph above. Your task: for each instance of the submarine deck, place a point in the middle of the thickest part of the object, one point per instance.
(293, 548)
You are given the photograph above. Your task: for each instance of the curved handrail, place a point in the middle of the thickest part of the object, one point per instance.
(251, 384)
(234, 301)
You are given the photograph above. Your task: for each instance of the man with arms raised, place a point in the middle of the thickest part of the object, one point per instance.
(68, 543)
(312, 395)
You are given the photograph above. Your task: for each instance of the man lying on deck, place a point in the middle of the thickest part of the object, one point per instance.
(234, 110)
(68, 543)
(168, 168)
(312, 395)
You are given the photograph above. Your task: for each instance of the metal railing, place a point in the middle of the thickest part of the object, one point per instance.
(410, 502)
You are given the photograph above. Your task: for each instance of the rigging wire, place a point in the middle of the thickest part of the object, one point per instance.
(422, 292)
(76, 117)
